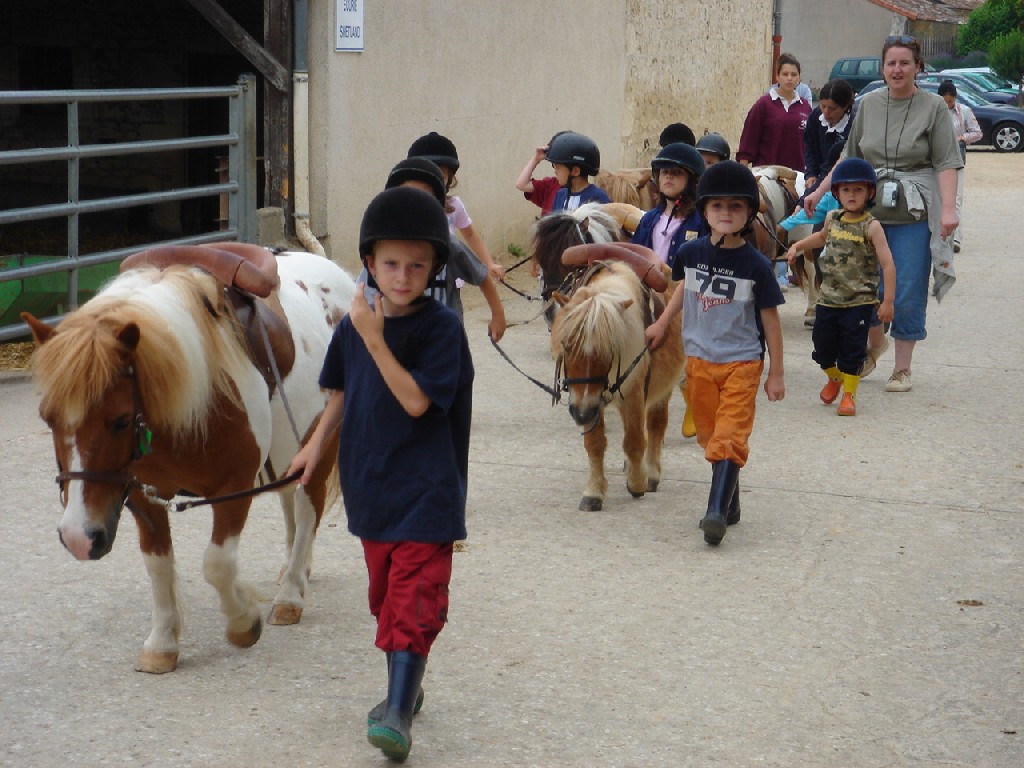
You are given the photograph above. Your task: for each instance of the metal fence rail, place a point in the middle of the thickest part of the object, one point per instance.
(239, 186)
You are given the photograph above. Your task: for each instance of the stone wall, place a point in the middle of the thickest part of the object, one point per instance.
(699, 63)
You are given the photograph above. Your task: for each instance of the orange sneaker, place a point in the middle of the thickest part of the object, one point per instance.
(846, 406)
(830, 391)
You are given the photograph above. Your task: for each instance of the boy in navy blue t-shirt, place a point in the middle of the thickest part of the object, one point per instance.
(729, 299)
(401, 378)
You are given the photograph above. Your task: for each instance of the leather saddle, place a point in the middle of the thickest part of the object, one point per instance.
(249, 275)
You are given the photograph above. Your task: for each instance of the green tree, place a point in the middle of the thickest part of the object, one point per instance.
(1006, 57)
(987, 22)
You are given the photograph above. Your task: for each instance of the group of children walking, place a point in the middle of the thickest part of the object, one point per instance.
(399, 371)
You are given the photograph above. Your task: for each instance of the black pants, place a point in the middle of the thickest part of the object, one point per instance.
(840, 336)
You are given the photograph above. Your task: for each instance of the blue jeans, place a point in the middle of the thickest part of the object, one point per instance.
(909, 244)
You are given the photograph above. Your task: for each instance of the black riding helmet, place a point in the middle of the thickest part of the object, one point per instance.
(418, 169)
(571, 148)
(436, 148)
(676, 133)
(679, 155)
(405, 213)
(728, 179)
(715, 144)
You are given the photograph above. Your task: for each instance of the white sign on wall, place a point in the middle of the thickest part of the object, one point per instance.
(348, 25)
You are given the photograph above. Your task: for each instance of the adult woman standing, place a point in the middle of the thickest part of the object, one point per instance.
(774, 129)
(906, 134)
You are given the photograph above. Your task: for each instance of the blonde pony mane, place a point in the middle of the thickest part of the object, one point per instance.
(593, 323)
(185, 359)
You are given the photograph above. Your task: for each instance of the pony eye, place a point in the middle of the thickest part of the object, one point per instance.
(120, 424)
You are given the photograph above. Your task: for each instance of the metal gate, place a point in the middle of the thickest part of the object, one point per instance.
(238, 186)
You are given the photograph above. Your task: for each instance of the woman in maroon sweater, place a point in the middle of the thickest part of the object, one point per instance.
(773, 133)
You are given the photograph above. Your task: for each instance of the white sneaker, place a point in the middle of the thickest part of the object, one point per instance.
(899, 381)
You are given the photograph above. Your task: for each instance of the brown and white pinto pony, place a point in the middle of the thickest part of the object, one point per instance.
(780, 189)
(149, 391)
(596, 336)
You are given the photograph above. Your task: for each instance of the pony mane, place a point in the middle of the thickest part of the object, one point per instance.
(184, 360)
(552, 234)
(593, 323)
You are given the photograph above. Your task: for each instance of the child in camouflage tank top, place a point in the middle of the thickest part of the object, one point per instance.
(855, 250)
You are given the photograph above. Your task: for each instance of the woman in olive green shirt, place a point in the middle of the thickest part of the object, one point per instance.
(907, 136)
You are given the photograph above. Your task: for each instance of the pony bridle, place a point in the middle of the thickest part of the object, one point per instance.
(142, 445)
(608, 391)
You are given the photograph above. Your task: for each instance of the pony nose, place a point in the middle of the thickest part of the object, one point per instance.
(583, 416)
(92, 545)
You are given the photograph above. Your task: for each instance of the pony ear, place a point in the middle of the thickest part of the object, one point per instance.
(560, 298)
(129, 336)
(625, 304)
(41, 332)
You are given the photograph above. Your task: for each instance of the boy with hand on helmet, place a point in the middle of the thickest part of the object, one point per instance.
(540, 192)
(729, 299)
(855, 248)
(400, 378)
(713, 148)
(441, 151)
(575, 158)
(463, 265)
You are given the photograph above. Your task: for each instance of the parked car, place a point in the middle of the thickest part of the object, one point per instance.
(1002, 126)
(988, 81)
(964, 81)
(858, 71)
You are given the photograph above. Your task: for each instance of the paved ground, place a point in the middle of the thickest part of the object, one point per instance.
(867, 612)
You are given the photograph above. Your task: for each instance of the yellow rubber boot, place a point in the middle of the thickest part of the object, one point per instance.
(689, 427)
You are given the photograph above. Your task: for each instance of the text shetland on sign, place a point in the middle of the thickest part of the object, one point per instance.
(348, 26)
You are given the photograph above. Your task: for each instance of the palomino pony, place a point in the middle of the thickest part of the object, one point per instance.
(598, 340)
(630, 185)
(151, 390)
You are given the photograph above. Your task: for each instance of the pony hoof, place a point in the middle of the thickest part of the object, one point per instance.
(652, 486)
(284, 614)
(635, 494)
(591, 504)
(246, 638)
(157, 662)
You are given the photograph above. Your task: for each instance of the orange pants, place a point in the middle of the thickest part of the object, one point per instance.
(723, 397)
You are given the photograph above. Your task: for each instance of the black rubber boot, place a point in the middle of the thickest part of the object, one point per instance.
(734, 504)
(723, 486)
(393, 734)
(374, 715)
